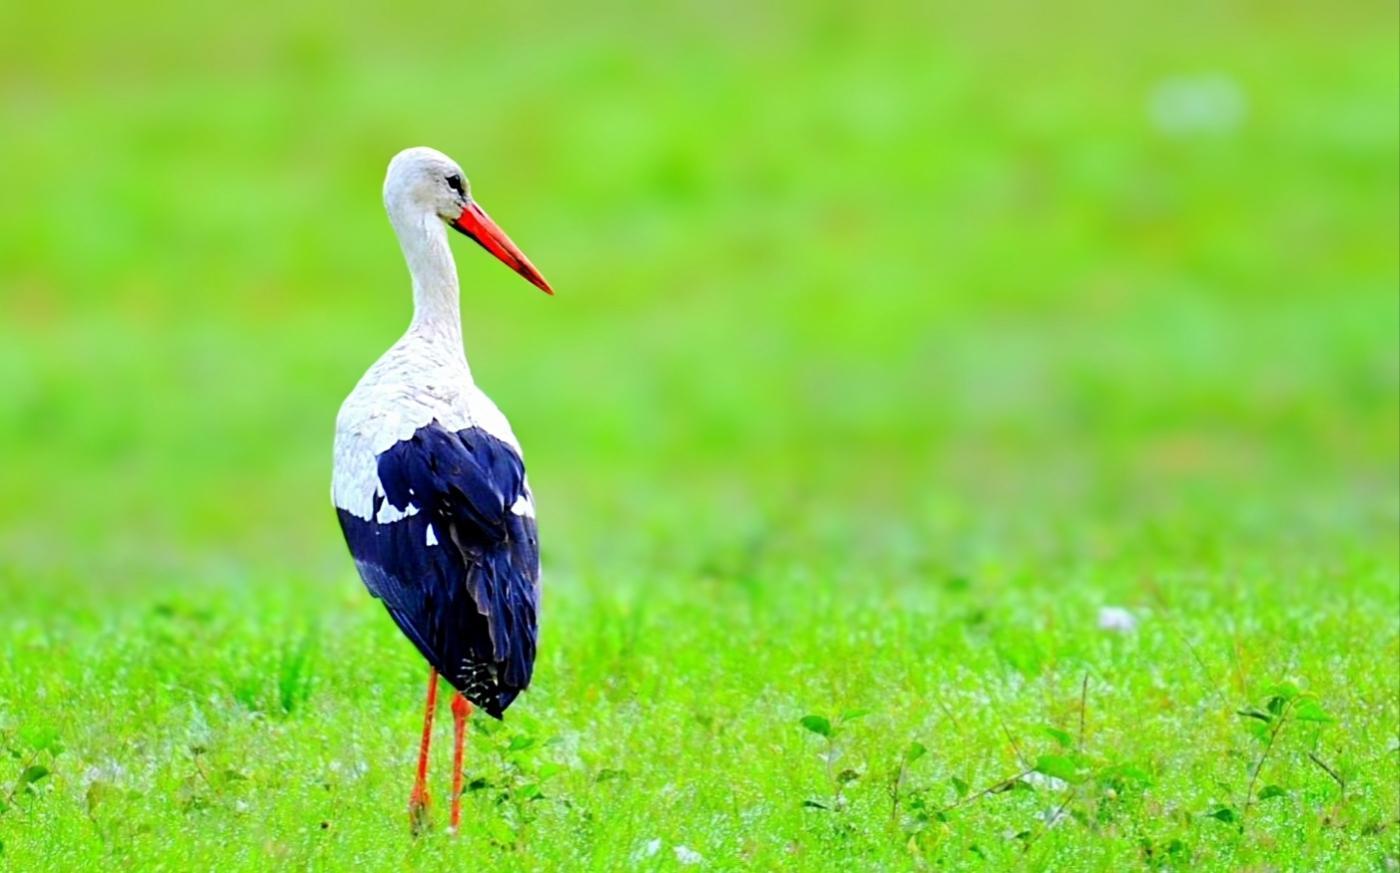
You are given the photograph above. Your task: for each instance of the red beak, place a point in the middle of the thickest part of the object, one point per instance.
(475, 223)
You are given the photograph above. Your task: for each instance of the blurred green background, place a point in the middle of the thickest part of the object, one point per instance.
(860, 297)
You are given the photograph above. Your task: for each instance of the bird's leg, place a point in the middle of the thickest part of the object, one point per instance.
(461, 711)
(418, 801)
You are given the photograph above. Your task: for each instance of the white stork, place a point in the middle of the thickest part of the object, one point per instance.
(429, 482)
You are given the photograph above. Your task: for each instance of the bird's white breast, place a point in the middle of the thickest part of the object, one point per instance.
(413, 384)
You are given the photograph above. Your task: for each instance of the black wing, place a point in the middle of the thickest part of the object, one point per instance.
(460, 576)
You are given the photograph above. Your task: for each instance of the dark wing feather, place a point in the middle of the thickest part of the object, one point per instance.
(470, 602)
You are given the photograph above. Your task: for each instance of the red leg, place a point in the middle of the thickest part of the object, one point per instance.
(461, 711)
(418, 801)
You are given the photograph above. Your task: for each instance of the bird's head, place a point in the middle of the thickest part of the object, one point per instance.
(425, 183)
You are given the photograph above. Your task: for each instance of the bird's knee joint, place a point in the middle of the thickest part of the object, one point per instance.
(461, 707)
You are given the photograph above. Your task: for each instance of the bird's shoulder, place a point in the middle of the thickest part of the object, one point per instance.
(386, 410)
(410, 385)
(409, 388)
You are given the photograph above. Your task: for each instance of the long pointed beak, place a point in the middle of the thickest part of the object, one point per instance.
(475, 223)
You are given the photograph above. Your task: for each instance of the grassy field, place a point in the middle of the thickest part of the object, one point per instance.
(965, 438)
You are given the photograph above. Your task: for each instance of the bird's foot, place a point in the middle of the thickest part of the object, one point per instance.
(418, 805)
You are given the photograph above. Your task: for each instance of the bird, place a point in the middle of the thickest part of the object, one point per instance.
(429, 480)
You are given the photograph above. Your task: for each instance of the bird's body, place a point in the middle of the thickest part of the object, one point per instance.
(430, 490)
(429, 480)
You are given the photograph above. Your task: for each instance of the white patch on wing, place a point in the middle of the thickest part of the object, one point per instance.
(431, 539)
(388, 513)
(523, 506)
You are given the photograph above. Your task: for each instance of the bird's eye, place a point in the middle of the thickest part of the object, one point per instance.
(455, 183)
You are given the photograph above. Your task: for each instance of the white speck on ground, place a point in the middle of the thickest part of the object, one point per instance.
(1211, 103)
(1117, 619)
(1046, 783)
(688, 856)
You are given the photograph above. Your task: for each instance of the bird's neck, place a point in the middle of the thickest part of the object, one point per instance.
(436, 300)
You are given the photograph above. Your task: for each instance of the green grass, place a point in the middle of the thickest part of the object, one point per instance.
(891, 345)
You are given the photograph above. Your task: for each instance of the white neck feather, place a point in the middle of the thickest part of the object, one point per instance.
(436, 299)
